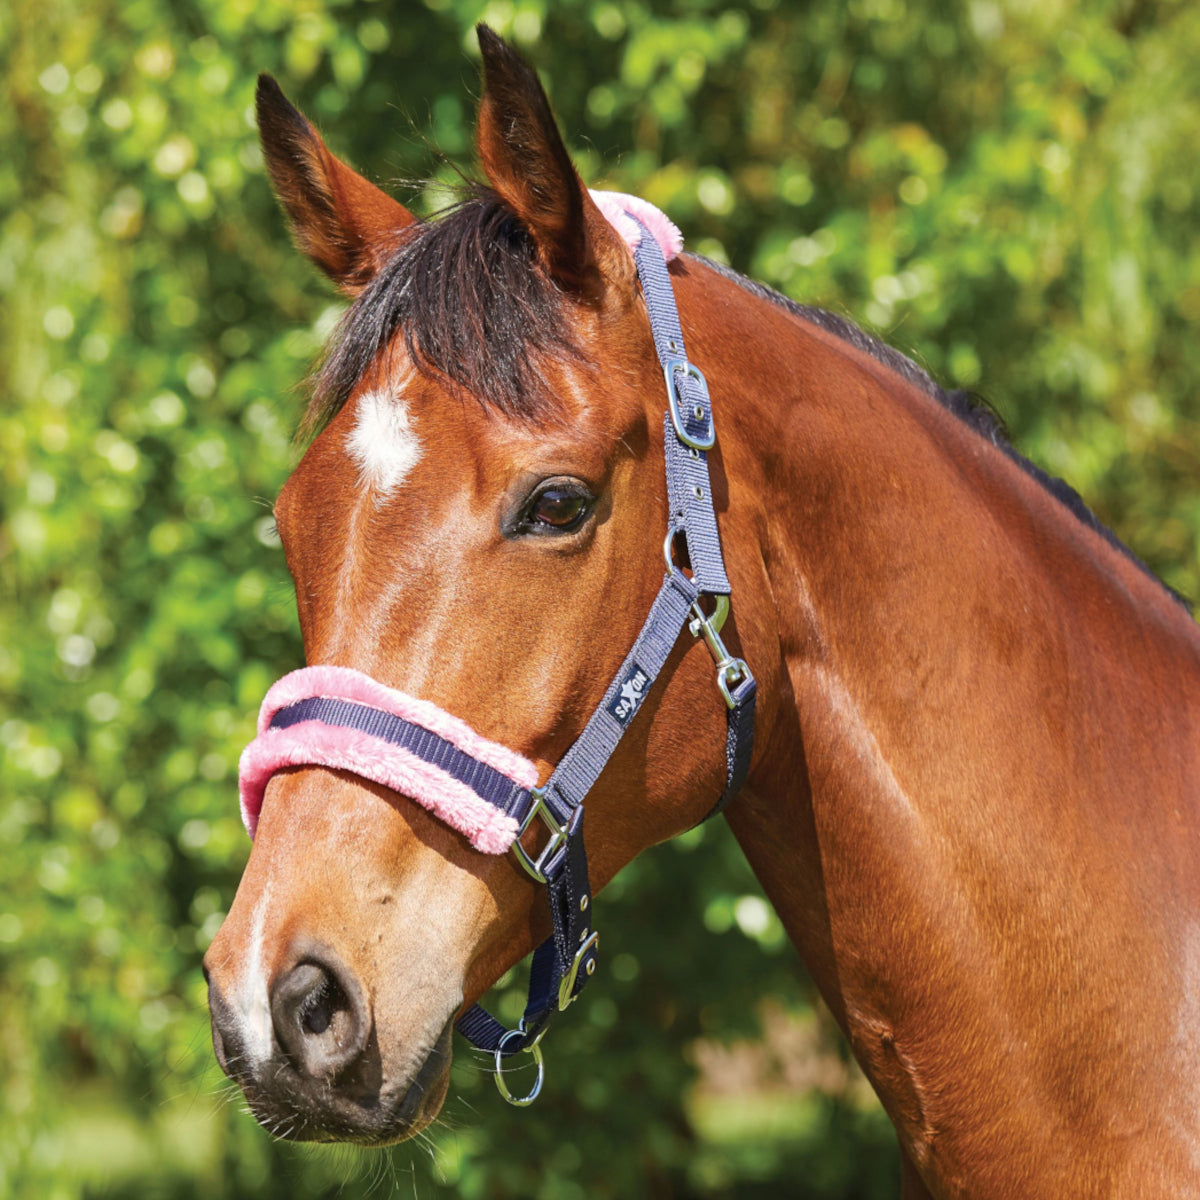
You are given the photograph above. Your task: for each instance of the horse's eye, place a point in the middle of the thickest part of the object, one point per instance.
(558, 509)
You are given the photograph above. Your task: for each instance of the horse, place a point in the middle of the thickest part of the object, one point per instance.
(973, 792)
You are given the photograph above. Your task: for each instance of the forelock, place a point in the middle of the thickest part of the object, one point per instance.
(473, 307)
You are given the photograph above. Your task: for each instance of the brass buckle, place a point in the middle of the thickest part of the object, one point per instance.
(567, 986)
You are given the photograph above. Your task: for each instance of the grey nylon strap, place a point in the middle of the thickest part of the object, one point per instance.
(689, 488)
(689, 496)
(580, 767)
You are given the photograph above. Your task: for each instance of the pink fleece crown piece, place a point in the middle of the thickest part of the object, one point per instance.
(616, 207)
(313, 743)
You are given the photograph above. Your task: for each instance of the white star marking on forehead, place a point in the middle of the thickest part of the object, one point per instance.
(383, 442)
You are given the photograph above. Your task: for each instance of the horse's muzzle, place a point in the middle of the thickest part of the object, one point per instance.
(323, 1079)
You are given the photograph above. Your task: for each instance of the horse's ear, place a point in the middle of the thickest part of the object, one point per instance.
(346, 225)
(528, 166)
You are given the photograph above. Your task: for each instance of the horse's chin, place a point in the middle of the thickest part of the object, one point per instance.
(374, 1117)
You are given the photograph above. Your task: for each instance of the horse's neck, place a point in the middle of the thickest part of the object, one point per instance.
(951, 811)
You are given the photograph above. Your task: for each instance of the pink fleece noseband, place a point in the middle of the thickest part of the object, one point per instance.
(424, 768)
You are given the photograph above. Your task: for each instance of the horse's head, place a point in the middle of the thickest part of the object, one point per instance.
(479, 524)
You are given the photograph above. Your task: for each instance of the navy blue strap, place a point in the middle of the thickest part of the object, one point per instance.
(562, 964)
(739, 742)
(486, 782)
(484, 1032)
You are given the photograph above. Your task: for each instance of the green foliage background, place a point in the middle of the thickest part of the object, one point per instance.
(1006, 190)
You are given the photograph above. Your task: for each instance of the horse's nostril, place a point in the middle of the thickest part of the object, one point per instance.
(319, 1017)
(325, 1004)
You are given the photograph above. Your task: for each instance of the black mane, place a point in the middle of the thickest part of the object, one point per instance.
(465, 293)
(969, 407)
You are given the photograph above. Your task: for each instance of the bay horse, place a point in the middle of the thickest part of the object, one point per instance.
(974, 795)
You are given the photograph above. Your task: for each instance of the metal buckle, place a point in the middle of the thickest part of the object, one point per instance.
(730, 671)
(533, 1048)
(706, 440)
(567, 986)
(559, 835)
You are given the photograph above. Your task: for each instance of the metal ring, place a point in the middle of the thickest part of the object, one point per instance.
(536, 1051)
(669, 548)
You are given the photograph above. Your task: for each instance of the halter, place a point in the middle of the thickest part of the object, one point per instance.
(338, 717)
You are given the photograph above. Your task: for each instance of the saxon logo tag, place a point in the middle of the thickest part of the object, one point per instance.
(630, 694)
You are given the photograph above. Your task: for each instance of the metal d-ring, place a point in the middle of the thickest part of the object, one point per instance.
(669, 548)
(534, 1049)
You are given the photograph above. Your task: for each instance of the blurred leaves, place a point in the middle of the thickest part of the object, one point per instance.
(1006, 191)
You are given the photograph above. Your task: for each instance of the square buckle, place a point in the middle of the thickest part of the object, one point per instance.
(536, 867)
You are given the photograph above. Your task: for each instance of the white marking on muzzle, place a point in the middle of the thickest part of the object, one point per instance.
(383, 442)
(253, 998)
